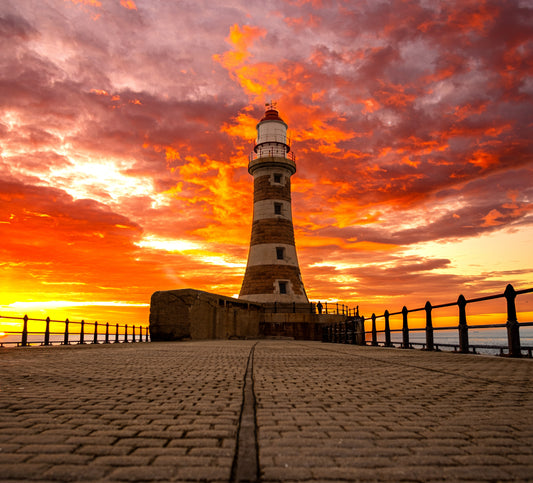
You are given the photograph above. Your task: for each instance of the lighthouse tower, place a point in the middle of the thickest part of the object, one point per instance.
(272, 273)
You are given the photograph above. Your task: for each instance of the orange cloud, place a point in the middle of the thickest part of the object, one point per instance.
(483, 159)
(92, 3)
(241, 39)
(242, 126)
(494, 218)
(100, 92)
(476, 16)
(129, 4)
(371, 105)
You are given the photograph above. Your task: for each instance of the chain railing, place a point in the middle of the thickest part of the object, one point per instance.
(353, 330)
(71, 332)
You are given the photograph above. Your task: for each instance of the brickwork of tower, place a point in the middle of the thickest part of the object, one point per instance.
(272, 272)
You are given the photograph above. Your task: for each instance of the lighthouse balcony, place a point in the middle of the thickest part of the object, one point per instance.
(275, 158)
(272, 151)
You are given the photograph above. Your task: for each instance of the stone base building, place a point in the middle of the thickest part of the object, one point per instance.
(193, 314)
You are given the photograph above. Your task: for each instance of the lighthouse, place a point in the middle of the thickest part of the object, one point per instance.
(272, 272)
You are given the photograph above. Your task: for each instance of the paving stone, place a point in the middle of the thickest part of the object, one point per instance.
(142, 442)
(30, 471)
(76, 472)
(142, 473)
(100, 450)
(326, 412)
(8, 458)
(60, 459)
(176, 460)
(205, 473)
(47, 448)
(122, 460)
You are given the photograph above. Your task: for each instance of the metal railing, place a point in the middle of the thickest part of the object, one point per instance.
(353, 330)
(83, 333)
(309, 308)
(271, 153)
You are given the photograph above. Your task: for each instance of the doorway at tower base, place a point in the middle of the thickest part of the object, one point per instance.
(190, 314)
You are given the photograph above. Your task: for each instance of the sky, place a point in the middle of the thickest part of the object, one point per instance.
(125, 129)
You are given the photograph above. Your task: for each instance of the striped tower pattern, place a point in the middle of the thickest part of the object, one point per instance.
(272, 272)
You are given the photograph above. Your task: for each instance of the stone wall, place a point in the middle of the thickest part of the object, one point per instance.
(296, 326)
(193, 314)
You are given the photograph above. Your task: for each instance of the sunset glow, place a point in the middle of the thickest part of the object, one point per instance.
(125, 129)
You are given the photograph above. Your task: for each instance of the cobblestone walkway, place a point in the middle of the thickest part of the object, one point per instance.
(262, 411)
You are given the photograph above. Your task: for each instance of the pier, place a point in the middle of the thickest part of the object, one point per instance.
(262, 410)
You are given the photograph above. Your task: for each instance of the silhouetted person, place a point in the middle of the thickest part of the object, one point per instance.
(319, 307)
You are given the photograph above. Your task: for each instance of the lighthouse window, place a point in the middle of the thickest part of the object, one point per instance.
(280, 253)
(277, 208)
(282, 287)
(277, 178)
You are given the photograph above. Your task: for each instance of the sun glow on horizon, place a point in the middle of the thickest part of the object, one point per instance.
(124, 175)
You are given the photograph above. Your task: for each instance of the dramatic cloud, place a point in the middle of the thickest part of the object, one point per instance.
(125, 128)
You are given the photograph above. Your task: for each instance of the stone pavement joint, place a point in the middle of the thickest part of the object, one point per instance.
(245, 465)
(310, 411)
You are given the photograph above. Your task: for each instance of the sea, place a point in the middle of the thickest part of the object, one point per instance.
(485, 341)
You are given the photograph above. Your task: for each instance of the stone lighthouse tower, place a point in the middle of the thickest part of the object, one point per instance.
(272, 273)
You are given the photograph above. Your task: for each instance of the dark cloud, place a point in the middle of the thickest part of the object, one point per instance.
(410, 122)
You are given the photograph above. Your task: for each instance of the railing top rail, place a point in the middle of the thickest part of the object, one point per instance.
(488, 297)
(468, 301)
(62, 321)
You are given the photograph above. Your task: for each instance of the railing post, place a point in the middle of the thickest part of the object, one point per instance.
(106, 333)
(513, 328)
(65, 338)
(126, 333)
(405, 328)
(464, 346)
(337, 308)
(116, 334)
(47, 332)
(363, 333)
(95, 335)
(326, 307)
(133, 334)
(24, 339)
(374, 331)
(429, 326)
(387, 329)
(82, 331)
(146, 338)
(345, 332)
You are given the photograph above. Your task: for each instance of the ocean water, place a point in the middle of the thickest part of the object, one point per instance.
(476, 337)
(11, 340)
